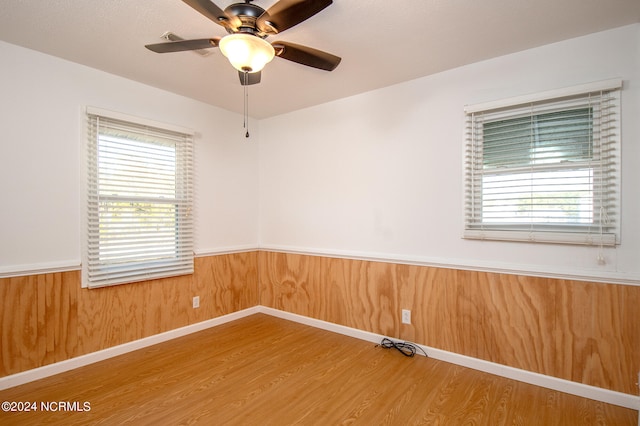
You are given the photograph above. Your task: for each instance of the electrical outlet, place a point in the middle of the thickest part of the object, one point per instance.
(406, 316)
(196, 301)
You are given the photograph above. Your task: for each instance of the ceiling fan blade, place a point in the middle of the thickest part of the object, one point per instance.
(214, 13)
(306, 55)
(251, 77)
(287, 13)
(182, 45)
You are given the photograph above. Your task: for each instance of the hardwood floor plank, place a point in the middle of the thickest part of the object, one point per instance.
(265, 370)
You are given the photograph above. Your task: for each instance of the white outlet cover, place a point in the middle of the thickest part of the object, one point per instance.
(406, 316)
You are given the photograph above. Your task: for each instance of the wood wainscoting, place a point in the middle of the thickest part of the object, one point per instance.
(49, 318)
(579, 331)
(584, 332)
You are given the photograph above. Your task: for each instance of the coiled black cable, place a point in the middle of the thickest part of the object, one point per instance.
(405, 348)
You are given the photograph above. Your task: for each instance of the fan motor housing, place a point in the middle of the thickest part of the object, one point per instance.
(248, 14)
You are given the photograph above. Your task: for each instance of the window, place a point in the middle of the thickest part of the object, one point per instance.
(139, 198)
(545, 168)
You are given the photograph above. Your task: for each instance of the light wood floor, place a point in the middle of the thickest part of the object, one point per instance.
(262, 370)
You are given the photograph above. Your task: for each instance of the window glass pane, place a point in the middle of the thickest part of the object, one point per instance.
(136, 232)
(543, 197)
(507, 143)
(562, 136)
(539, 139)
(136, 169)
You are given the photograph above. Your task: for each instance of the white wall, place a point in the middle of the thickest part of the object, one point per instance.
(376, 175)
(41, 131)
(380, 174)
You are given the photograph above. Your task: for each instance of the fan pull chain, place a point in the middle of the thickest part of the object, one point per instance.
(246, 103)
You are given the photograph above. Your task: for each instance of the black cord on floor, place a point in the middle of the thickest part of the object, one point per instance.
(405, 348)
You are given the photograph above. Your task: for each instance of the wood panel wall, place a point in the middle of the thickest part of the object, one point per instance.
(580, 331)
(48, 318)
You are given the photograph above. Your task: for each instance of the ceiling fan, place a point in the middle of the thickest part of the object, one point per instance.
(248, 26)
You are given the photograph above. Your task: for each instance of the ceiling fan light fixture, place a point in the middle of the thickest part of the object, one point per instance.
(246, 52)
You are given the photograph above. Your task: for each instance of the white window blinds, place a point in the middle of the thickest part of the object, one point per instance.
(546, 170)
(139, 201)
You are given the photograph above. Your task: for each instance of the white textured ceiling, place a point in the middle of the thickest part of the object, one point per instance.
(381, 42)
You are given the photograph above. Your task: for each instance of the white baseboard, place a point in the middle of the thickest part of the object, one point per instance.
(574, 388)
(70, 364)
(549, 382)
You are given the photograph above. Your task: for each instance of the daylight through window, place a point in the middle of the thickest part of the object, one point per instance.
(546, 170)
(139, 202)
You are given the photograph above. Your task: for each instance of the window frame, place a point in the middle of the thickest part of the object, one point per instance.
(605, 232)
(142, 134)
